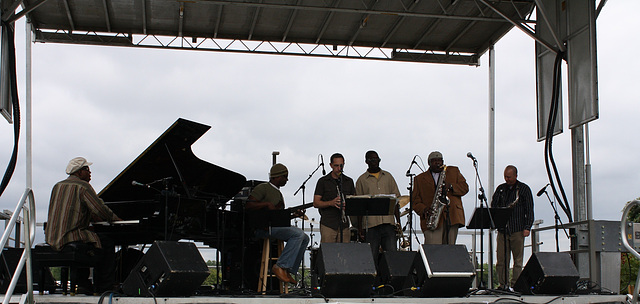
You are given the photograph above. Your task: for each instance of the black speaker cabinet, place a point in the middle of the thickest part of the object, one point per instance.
(167, 269)
(548, 273)
(8, 263)
(345, 270)
(440, 271)
(394, 267)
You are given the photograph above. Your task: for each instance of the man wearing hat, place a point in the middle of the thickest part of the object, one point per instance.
(73, 206)
(452, 217)
(267, 196)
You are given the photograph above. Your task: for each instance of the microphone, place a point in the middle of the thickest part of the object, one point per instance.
(134, 183)
(322, 164)
(542, 190)
(413, 161)
(469, 155)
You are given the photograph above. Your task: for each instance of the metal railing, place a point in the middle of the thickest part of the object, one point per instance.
(625, 242)
(28, 206)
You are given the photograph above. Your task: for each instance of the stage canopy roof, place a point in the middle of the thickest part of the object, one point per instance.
(439, 31)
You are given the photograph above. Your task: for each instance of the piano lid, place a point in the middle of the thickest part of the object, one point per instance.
(170, 158)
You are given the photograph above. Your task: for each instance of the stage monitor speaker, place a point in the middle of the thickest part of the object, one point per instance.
(440, 271)
(345, 270)
(394, 267)
(167, 269)
(548, 273)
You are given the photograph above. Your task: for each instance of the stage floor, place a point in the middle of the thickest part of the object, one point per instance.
(260, 299)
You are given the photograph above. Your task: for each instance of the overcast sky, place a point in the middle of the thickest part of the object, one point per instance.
(108, 104)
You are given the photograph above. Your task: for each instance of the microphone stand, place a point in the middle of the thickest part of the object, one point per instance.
(305, 182)
(303, 187)
(483, 200)
(410, 218)
(410, 188)
(557, 220)
(342, 202)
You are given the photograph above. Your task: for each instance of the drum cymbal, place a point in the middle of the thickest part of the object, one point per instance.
(403, 200)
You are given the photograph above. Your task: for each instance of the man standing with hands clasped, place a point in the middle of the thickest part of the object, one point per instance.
(381, 229)
(516, 195)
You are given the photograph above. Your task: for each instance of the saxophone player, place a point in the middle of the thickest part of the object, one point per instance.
(429, 188)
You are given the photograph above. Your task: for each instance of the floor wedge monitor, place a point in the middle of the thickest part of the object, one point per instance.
(345, 270)
(440, 271)
(393, 269)
(167, 269)
(548, 273)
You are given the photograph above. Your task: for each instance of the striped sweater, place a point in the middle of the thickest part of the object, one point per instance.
(522, 216)
(73, 205)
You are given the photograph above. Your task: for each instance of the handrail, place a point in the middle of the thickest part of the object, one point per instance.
(625, 242)
(30, 229)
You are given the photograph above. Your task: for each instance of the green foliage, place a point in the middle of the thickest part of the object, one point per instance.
(55, 272)
(628, 271)
(214, 277)
(634, 214)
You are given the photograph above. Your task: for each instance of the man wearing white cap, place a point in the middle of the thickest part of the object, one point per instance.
(452, 217)
(73, 206)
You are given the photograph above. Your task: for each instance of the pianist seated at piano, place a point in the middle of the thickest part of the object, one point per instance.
(267, 196)
(73, 206)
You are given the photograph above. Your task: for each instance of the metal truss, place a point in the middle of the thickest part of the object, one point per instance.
(257, 47)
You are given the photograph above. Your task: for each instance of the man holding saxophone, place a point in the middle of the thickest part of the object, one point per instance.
(437, 199)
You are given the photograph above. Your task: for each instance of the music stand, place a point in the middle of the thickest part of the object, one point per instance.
(488, 218)
(481, 218)
(270, 218)
(365, 206)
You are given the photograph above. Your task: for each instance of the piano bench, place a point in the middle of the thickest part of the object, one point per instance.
(44, 257)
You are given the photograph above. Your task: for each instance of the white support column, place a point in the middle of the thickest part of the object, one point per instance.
(587, 171)
(491, 144)
(28, 124)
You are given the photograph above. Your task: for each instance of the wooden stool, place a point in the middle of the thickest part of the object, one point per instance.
(265, 266)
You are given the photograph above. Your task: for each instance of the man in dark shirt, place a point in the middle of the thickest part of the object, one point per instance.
(517, 195)
(328, 198)
(267, 196)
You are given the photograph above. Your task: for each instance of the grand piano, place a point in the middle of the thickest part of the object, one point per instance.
(173, 195)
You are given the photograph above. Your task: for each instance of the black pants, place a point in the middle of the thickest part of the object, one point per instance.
(384, 236)
(102, 259)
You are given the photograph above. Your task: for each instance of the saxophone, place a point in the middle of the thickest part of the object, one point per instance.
(440, 200)
(517, 198)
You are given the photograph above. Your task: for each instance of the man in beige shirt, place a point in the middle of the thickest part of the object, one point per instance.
(380, 229)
